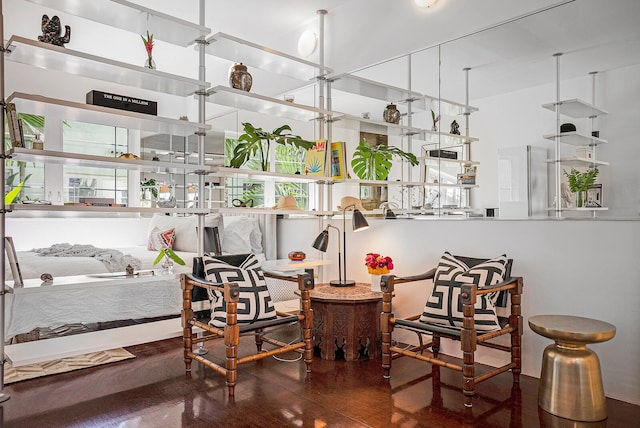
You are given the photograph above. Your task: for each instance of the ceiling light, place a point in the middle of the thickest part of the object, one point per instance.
(425, 3)
(307, 43)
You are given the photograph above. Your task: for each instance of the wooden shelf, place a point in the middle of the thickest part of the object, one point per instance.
(235, 49)
(271, 211)
(132, 17)
(43, 106)
(229, 172)
(67, 158)
(447, 160)
(243, 100)
(576, 108)
(576, 139)
(577, 161)
(47, 56)
(92, 209)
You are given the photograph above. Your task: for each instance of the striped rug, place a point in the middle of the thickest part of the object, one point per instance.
(64, 365)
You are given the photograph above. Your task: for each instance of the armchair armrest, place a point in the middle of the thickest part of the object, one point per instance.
(201, 282)
(507, 284)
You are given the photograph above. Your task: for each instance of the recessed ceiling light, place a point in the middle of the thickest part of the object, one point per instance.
(425, 3)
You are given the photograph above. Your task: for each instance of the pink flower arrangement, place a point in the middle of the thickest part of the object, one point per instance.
(378, 265)
(148, 44)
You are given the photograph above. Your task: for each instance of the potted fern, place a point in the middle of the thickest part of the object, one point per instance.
(579, 182)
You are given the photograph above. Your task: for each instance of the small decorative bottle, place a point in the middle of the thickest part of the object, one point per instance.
(240, 78)
(391, 114)
(37, 143)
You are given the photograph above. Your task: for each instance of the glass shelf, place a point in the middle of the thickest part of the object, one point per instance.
(271, 211)
(91, 209)
(229, 172)
(380, 91)
(235, 49)
(243, 100)
(442, 159)
(578, 161)
(67, 158)
(576, 108)
(393, 128)
(50, 57)
(576, 139)
(132, 17)
(43, 106)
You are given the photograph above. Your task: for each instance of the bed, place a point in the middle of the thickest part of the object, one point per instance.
(85, 290)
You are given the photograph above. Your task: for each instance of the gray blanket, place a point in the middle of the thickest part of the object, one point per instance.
(114, 260)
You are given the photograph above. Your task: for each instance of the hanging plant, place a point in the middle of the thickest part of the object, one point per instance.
(371, 162)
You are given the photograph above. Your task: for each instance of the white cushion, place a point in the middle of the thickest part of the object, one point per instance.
(185, 229)
(241, 235)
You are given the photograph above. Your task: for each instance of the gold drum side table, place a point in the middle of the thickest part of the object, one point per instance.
(570, 379)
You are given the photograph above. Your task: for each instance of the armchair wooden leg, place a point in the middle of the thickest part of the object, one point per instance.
(307, 327)
(515, 319)
(436, 345)
(258, 339)
(231, 340)
(187, 314)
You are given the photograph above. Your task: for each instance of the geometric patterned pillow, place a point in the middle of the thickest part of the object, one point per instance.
(159, 239)
(444, 307)
(254, 302)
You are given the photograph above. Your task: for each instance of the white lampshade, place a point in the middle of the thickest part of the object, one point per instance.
(307, 43)
(425, 3)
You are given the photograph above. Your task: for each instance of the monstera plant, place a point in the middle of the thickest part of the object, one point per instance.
(373, 162)
(256, 141)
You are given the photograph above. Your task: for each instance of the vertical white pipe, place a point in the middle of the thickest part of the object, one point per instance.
(558, 196)
(467, 115)
(202, 76)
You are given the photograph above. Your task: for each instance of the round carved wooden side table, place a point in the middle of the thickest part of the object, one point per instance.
(570, 380)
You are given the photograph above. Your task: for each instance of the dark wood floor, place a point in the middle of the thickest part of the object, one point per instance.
(152, 390)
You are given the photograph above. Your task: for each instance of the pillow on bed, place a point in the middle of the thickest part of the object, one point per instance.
(159, 239)
(254, 301)
(185, 229)
(241, 235)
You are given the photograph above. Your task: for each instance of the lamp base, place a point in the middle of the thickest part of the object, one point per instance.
(346, 283)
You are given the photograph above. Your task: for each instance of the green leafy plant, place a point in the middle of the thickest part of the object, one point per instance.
(150, 185)
(13, 194)
(581, 181)
(256, 141)
(168, 252)
(371, 162)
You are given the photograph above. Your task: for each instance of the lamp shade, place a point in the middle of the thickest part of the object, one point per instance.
(388, 213)
(359, 222)
(322, 241)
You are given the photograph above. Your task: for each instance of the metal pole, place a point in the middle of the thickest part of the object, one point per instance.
(467, 115)
(3, 289)
(557, 140)
(201, 133)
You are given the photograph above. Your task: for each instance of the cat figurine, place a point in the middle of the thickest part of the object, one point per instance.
(51, 30)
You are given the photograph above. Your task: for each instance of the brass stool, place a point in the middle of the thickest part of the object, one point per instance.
(570, 380)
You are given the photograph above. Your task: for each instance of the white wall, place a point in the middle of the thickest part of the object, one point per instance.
(571, 267)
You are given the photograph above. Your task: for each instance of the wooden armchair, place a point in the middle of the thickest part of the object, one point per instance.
(459, 308)
(236, 305)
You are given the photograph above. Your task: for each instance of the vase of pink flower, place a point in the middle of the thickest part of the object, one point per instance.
(148, 45)
(377, 266)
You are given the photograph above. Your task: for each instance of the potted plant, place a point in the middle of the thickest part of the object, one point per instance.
(257, 141)
(579, 182)
(373, 162)
(168, 256)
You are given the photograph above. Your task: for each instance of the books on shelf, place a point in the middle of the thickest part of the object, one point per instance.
(15, 126)
(447, 154)
(468, 176)
(338, 160)
(314, 160)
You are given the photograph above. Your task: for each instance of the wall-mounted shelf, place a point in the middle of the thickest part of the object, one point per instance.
(96, 209)
(243, 100)
(41, 105)
(575, 108)
(50, 57)
(576, 139)
(252, 54)
(132, 17)
(67, 158)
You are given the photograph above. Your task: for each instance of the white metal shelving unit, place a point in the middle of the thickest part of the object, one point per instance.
(577, 109)
(130, 17)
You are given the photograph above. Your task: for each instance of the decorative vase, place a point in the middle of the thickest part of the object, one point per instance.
(580, 199)
(391, 114)
(240, 78)
(150, 63)
(375, 283)
(167, 265)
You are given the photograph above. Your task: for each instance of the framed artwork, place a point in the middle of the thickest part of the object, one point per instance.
(594, 196)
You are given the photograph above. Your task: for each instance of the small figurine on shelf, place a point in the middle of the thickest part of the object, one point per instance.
(435, 119)
(455, 128)
(51, 30)
(148, 45)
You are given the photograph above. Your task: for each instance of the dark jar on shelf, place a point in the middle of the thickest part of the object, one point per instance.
(239, 77)
(391, 114)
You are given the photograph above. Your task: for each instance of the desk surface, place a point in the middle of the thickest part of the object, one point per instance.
(359, 293)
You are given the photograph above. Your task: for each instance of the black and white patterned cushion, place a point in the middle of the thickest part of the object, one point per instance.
(254, 302)
(444, 307)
